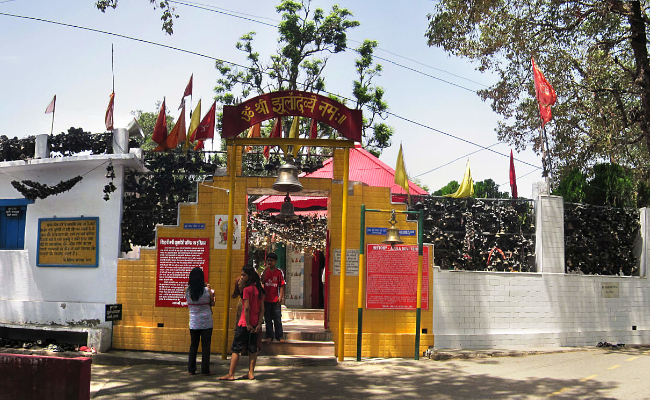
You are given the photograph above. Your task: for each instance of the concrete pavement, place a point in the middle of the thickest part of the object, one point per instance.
(585, 373)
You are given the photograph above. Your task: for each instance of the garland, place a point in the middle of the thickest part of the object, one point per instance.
(34, 190)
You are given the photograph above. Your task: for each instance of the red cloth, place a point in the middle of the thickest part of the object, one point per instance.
(545, 94)
(253, 296)
(205, 130)
(108, 119)
(187, 92)
(272, 280)
(513, 177)
(160, 131)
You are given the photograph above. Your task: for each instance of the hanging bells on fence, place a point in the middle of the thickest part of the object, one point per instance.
(287, 181)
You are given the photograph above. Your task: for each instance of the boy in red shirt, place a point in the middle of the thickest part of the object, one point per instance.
(273, 281)
(249, 324)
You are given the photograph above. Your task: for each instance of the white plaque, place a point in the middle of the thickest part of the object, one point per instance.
(351, 262)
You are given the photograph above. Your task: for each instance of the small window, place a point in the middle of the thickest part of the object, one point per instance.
(12, 225)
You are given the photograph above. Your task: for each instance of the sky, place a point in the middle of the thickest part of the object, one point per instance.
(39, 60)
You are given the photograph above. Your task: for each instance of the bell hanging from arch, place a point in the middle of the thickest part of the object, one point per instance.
(287, 181)
(392, 233)
(286, 211)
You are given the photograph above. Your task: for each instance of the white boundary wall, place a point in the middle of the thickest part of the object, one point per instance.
(64, 296)
(545, 309)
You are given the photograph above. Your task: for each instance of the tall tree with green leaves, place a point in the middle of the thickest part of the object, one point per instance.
(593, 53)
(306, 40)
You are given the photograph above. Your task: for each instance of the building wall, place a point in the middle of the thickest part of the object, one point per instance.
(387, 333)
(69, 296)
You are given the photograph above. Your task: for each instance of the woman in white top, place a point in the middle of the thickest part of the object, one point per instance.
(200, 299)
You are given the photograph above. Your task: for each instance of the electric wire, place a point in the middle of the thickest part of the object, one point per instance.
(245, 67)
(454, 160)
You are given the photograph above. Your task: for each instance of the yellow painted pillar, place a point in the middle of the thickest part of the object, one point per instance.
(232, 171)
(344, 237)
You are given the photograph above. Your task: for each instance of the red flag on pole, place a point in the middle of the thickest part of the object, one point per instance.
(313, 129)
(513, 177)
(205, 130)
(51, 106)
(545, 94)
(275, 133)
(108, 119)
(187, 92)
(160, 131)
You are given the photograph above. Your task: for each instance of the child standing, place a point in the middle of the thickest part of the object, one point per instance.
(249, 324)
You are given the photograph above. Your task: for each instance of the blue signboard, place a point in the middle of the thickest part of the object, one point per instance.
(382, 231)
(194, 225)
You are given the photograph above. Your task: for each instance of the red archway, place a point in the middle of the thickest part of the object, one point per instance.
(236, 119)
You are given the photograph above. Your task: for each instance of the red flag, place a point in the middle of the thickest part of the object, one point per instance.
(205, 130)
(187, 92)
(108, 119)
(160, 131)
(545, 94)
(275, 133)
(175, 135)
(50, 107)
(313, 130)
(253, 132)
(513, 177)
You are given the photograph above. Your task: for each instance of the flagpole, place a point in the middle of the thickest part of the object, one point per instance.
(52, 128)
(547, 162)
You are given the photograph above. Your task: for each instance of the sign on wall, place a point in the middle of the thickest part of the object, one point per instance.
(176, 258)
(351, 262)
(392, 276)
(113, 312)
(609, 290)
(221, 232)
(68, 242)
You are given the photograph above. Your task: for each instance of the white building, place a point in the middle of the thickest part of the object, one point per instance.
(67, 289)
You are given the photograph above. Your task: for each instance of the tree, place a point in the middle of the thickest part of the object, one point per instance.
(488, 189)
(610, 185)
(450, 188)
(147, 121)
(306, 41)
(168, 11)
(594, 54)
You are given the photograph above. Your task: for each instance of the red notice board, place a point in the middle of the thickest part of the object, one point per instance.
(176, 258)
(392, 277)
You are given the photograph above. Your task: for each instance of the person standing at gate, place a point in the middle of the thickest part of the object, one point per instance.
(273, 280)
(200, 300)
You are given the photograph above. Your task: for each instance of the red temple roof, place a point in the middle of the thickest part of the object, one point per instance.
(364, 167)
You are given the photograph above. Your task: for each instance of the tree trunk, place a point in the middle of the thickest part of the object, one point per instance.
(640, 49)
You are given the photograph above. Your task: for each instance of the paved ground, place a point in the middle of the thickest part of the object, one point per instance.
(594, 373)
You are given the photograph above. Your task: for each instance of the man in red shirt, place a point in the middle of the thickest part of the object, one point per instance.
(273, 281)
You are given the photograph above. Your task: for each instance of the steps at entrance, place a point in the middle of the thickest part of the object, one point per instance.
(297, 313)
(298, 348)
(304, 335)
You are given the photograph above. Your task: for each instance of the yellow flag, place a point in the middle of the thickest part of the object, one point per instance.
(194, 122)
(293, 133)
(400, 171)
(466, 188)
